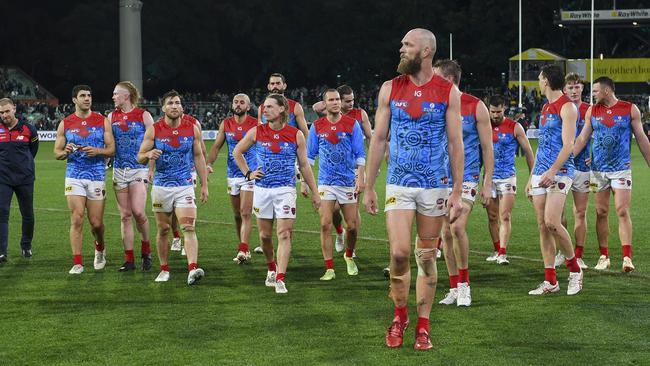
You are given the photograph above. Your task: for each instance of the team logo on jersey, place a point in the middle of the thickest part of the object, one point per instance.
(276, 136)
(175, 132)
(83, 123)
(124, 117)
(609, 111)
(20, 138)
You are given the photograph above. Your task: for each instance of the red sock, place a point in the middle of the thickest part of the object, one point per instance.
(177, 234)
(192, 266)
(339, 229)
(78, 259)
(497, 245)
(99, 247)
(579, 250)
(453, 281)
(627, 250)
(463, 275)
(164, 267)
(243, 247)
(349, 252)
(271, 266)
(572, 264)
(502, 250)
(423, 324)
(279, 277)
(329, 263)
(146, 247)
(128, 255)
(402, 313)
(604, 251)
(549, 275)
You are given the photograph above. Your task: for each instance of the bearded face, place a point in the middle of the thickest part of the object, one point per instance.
(409, 66)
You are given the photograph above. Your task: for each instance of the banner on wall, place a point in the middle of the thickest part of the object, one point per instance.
(51, 135)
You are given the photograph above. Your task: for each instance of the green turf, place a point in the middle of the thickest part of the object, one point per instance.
(50, 317)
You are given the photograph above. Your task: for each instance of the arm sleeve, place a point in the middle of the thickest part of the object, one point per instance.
(312, 145)
(33, 140)
(358, 149)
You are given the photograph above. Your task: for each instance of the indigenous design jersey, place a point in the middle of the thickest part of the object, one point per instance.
(550, 139)
(85, 132)
(340, 147)
(292, 114)
(505, 146)
(276, 156)
(194, 122)
(579, 160)
(128, 129)
(235, 132)
(18, 147)
(471, 141)
(611, 137)
(418, 155)
(174, 166)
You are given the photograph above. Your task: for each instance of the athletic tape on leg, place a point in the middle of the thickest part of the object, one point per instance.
(426, 261)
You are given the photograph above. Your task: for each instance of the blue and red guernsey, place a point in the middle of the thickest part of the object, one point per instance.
(128, 129)
(18, 147)
(276, 156)
(195, 122)
(292, 115)
(471, 141)
(356, 114)
(580, 159)
(418, 154)
(85, 132)
(505, 144)
(611, 137)
(174, 166)
(550, 139)
(235, 132)
(341, 151)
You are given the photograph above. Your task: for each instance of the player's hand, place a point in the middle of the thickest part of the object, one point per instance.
(150, 175)
(256, 174)
(455, 204)
(204, 194)
(70, 148)
(208, 167)
(90, 151)
(486, 193)
(154, 154)
(315, 200)
(370, 201)
(359, 186)
(304, 189)
(547, 179)
(588, 161)
(528, 190)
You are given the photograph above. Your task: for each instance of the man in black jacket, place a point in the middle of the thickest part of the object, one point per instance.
(18, 147)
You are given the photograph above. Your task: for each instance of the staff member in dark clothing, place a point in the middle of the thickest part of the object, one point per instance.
(18, 147)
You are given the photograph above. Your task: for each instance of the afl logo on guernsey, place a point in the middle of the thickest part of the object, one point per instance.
(401, 104)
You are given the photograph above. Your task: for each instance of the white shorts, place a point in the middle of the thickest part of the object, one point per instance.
(470, 191)
(504, 186)
(92, 190)
(194, 178)
(427, 201)
(616, 180)
(561, 184)
(165, 199)
(240, 184)
(581, 182)
(341, 194)
(270, 203)
(123, 177)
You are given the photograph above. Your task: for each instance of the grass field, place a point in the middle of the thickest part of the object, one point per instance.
(52, 318)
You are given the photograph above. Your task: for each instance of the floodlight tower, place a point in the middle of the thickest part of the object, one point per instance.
(131, 42)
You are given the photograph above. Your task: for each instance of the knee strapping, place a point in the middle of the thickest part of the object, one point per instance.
(403, 278)
(426, 261)
(431, 242)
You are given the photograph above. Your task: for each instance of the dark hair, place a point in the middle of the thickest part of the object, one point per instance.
(344, 90)
(497, 100)
(283, 102)
(77, 88)
(170, 94)
(278, 75)
(554, 75)
(449, 68)
(330, 90)
(604, 80)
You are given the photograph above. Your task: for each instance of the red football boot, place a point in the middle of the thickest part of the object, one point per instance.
(395, 333)
(422, 341)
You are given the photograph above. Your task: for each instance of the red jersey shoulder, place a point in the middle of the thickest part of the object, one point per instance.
(184, 129)
(468, 104)
(292, 105)
(286, 134)
(94, 120)
(191, 119)
(356, 114)
(507, 126)
(583, 109)
(623, 107)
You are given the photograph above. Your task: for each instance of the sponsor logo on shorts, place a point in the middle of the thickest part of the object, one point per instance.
(229, 188)
(321, 193)
(391, 201)
(286, 209)
(157, 205)
(350, 195)
(586, 183)
(256, 209)
(508, 186)
(68, 188)
(189, 199)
